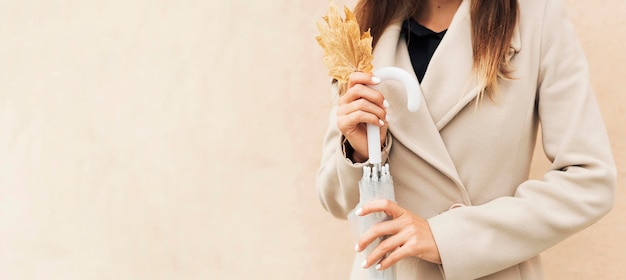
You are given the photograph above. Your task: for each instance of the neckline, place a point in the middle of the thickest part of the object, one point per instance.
(415, 28)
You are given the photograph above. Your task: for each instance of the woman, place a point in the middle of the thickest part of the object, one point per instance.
(491, 72)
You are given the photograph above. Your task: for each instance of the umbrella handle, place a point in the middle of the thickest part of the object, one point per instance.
(413, 92)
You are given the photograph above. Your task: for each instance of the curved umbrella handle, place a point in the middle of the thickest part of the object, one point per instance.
(413, 92)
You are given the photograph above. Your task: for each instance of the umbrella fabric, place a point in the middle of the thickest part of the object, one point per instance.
(376, 183)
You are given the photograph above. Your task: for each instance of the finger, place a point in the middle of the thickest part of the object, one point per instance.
(359, 91)
(365, 106)
(351, 121)
(385, 247)
(362, 78)
(396, 255)
(382, 229)
(389, 207)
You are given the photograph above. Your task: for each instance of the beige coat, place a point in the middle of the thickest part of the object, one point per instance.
(451, 151)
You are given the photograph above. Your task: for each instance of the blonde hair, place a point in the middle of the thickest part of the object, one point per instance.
(493, 24)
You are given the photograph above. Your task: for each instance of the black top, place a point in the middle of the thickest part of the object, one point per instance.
(422, 43)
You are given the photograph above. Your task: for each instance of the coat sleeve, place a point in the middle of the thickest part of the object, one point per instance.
(578, 189)
(338, 177)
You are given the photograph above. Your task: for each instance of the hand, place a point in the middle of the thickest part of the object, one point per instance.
(407, 235)
(358, 106)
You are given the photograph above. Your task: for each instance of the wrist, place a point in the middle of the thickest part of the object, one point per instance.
(351, 154)
(357, 158)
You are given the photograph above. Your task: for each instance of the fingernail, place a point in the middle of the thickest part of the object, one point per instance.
(376, 80)
(385, 103)
(378, 266)
(357, 247)
(359, 211)
(387, 118)
(364, 263)
(381, 122)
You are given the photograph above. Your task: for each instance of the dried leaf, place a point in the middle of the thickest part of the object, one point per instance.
(346, 50)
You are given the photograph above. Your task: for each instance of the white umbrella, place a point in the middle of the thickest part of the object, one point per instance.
(376, 182)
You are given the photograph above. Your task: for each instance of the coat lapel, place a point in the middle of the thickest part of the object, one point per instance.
(416, 130)
(448, 85)
(447, 88)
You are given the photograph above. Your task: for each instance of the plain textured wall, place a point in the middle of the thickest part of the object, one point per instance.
(180, 139)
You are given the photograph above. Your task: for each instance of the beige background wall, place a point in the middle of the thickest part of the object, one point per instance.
(180, 139)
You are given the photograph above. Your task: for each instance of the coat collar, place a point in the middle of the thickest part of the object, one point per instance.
(447, 88)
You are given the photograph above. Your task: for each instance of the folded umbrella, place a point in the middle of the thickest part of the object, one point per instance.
(376, 182)
(347, 50)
